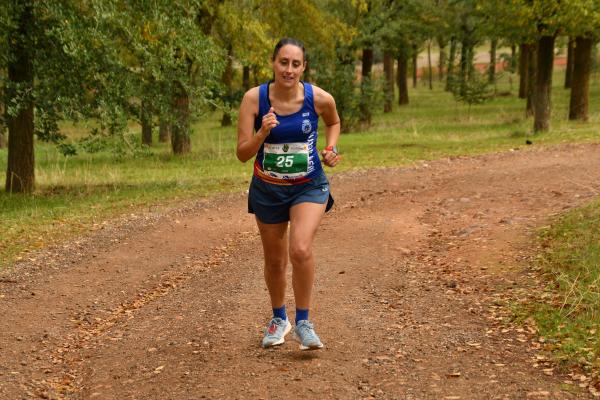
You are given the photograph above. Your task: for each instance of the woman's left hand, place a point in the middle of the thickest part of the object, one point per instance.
(330, 158)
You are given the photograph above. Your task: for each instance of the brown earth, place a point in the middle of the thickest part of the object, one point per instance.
(415, 266)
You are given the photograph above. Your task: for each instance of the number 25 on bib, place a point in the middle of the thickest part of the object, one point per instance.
(286, 160)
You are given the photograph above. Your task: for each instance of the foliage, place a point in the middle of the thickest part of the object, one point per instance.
(115, 52)
(474, 90)
(122, 145)
(339, 80)
(526, 20)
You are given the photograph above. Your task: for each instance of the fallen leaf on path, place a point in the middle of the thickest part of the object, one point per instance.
(541, 393)
(548, 371)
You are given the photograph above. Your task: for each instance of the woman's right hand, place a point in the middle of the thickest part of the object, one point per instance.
(269, 121)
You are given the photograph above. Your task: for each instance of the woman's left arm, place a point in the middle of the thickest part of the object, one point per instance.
(325, 107)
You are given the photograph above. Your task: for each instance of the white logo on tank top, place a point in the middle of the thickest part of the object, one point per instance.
(306, 126)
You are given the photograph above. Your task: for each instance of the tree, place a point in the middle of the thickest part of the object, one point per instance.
(543, 83)
(569, 67)
(475, 91)
(432, 20)
(429, 65)
(524, 50)
(146, 122)
(164, 131)
(371, 23)
(330, 45)
(2, 123)
(580, 87)
(402, 76)
(451, 61)
(366, 86)
(20, 175)
(510, 21)
(442, 57)
(492, 67)
(180, 138)
(118, 54)
(174, 66)
(241, 31)
(388, 71)
(398, 35)
(576, 18)
(532, 72)
(583, 23)
(467, 18)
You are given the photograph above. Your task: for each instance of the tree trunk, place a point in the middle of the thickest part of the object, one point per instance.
(164, 131)
(569, 69)
(402, 77)
(226, 119)
(429, 66)
(524, 50)
(543, 87)
(246, 78)
(20, 173)
(227, 80)
(531, 78)
(2, 128)
(451, 60)
(470, 61)
(580, 85)
(464, 57)
(492, 67)
(365, 106)
(180, 131)
(442, 60)
(388, 71)
(415, 65)
(146, 120)
(255, 74)
(513, 58)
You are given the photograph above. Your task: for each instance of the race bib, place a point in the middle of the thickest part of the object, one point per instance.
(286, 160)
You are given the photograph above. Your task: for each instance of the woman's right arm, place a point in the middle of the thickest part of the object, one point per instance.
(248, 142)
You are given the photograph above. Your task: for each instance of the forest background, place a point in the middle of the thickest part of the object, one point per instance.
(109, 108)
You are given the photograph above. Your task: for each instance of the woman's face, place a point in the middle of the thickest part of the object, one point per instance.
(288, 65)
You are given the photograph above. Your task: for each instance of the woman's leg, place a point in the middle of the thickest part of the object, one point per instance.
(304, 221)
(274, 241)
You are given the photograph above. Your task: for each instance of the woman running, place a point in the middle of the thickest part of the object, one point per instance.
(278, 124)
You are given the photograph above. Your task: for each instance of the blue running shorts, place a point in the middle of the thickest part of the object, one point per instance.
(271, 203)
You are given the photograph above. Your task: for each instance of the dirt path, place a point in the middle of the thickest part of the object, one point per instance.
(413, 267)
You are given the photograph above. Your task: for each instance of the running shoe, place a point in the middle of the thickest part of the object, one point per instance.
(305, 334)
(275, 332)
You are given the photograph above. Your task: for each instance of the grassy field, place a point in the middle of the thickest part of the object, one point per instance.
(76, 192)
(568, 312)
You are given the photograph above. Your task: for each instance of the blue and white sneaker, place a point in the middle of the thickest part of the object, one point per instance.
(275, 332)
(305, 334)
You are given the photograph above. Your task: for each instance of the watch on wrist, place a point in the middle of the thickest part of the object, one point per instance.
(333, 149)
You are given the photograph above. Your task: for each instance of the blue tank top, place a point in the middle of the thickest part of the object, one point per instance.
(289, 154)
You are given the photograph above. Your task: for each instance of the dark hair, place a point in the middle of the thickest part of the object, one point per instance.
(292, 41)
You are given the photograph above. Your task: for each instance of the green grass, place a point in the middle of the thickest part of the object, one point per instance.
(77, 192)
(568, 314)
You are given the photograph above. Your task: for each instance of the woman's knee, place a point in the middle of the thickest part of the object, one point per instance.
(300, 252)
